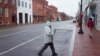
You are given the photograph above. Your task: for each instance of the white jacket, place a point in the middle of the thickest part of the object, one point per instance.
(47, 31)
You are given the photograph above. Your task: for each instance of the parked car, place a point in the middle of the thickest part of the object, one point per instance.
(74, 21)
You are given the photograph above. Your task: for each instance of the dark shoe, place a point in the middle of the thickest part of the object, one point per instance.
(54, 54)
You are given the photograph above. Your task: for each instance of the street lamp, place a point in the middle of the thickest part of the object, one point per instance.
(80, 20)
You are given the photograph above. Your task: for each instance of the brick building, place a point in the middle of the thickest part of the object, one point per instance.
(64, 16)
(46, 9)
(42, 11)
(48, 13)
(59, 16)
(7, 12)
(54, 13)
(38, 10)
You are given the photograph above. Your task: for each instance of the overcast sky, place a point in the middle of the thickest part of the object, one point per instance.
(70, 7)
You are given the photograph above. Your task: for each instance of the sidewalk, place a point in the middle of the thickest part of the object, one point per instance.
(84, 46)
(13, 26)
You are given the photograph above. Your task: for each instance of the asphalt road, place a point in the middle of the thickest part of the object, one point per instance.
(28, 40)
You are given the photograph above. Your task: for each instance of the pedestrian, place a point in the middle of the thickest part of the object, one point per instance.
(48, 39)
(90, 25)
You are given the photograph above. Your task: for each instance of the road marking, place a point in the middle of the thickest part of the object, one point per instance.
(13, 33)
(70, 53)
(15, 28)
(73, 38)
(20, 45)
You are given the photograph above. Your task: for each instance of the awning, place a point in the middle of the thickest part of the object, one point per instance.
(91, 4)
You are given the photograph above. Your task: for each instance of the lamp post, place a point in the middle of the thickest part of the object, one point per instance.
(80, 20)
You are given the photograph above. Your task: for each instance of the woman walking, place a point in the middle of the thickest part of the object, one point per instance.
(90, 25)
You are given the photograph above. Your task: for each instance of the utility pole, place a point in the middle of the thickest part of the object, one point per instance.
(80, 19)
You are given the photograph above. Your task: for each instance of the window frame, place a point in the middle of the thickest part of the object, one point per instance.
(22, 3)
(30, 6)
(1, 11)
(19, 3)
(6, 12)
(25, 4)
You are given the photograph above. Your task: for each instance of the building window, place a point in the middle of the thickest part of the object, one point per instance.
(30, 6)
(13, 2)
(22, 4)
(1, 23)
(0, 11)
(6, 12)
(18, 2)
(25, 5)
(0, 1)
(5, 1)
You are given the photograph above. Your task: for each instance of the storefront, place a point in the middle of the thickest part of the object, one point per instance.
(90, 12)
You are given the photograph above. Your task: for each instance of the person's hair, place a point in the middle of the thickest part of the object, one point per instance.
(90, 18)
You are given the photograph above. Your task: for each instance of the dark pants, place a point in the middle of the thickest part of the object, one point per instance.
(45, 47)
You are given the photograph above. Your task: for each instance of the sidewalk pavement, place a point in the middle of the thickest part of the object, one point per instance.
(13, 26)
(84, 46)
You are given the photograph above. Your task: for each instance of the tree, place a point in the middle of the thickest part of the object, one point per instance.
(63, 15)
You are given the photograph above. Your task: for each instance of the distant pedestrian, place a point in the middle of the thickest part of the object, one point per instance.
(90, 25)
(48, 39)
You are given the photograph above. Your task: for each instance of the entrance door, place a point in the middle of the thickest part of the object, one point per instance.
(14, 19)
(26, 18)
(30, 19)
(20, 18)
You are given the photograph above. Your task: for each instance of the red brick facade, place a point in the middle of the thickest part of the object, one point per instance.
(45, 5)
(10, 17)
(42, 11)
(53, 12)
(38, 10)
(64, 16)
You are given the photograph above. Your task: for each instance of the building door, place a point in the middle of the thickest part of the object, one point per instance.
(26, 18)
(14, 19)
(20, 18)
(30, 19)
